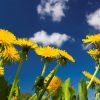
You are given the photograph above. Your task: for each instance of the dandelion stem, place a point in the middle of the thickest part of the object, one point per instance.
(15, 80)
(44, 69)
(96, 71)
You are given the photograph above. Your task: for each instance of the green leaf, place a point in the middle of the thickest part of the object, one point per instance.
(4, 88)
(68, 90)
(45, 98)
(82, 91)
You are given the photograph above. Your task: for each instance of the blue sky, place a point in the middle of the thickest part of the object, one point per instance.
(65, 22)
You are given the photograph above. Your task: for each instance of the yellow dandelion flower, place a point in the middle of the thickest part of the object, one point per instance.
(47, 52)
(89, 76)
(24, 42)
(64, 54)
(10, 54)
(1, 71)
(6, 37)
(54, 84)
(94, 53)
(92, 38)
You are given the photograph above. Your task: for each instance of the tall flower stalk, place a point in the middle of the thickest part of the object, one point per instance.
(48, 54)
(89, 76)
(26, 45)
(15, 80)
(95, 73)
(44, 69)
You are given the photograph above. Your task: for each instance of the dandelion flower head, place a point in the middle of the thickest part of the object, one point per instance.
(92, 38)
(6, 37)
(24, 42)
(47, 52)
(10, 54)
(94, 53)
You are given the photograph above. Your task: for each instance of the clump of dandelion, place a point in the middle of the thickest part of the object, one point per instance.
(48, 54)
(89, 76)
(94, 53)
(7, 51)
(94, 39)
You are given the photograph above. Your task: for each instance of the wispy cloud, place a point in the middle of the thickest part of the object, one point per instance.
(86, 46)
(53, 8)
(93, 19)
(55, 38)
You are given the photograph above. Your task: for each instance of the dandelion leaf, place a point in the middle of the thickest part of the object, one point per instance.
(82, 91)
(68, 90)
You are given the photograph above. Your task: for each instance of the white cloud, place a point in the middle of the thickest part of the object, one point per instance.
(86, 46)
(53, 8)
(93, 19)
(55, 38)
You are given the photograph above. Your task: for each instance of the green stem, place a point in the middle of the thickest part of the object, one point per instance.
(15, 80)
(96, 71)
(44, 89)
(44, 69)
(1, 63)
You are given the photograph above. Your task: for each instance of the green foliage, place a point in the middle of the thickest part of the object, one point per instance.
(4, 89)
(97, 94)
(68, 90)
(16, 91)
(82, 90)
